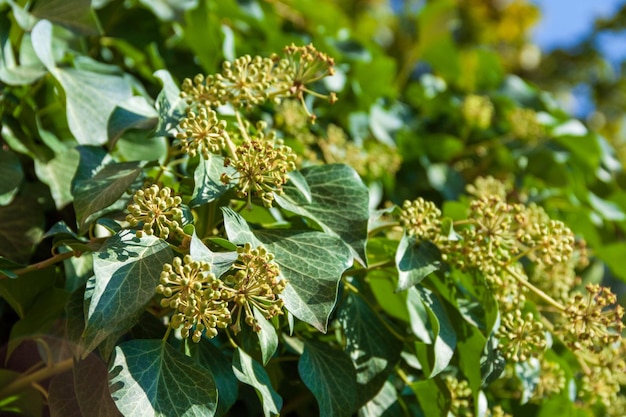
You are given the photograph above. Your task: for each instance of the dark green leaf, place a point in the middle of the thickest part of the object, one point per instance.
(415, 260)
(75, 15)
(21, 228)
(339, 203)
(134, 113)
(311, 262)
(613, 256)
(11, 173)
(330, 376)
(151, 378)
(212, 358)
(97, 193)
(169, 105)
(208, 186)
(93, 396)
(373, 349)
(250, 372)
(126, 272)
(266, 340)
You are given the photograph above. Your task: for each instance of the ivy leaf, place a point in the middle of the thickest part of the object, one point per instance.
(169, 105)
(151, 378)
(415, 260)
(311, 262)
(134, 113)
(75, 15)
(339, 203)
(12, 175)
(97, 185)
(62, 396)
(330, 376)
(432, 397)
(384, 404)
(212, 358)
(10, 72)
(266, 340)
(220, 261)
(21, 228)
(373, 349)
(57, 173)
(250, 372)
(208, 186)
(126, 272)
(435, 357)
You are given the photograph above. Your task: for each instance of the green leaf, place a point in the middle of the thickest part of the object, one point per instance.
(266, 340)
(75, 15)
(12, 175)
(435, 357)
(415, 260)
(169, 105)
(432, 397)
(134, 113)
(27, 402)
(250, 372)
(613, 255)
(57, 173)
(384, 404)
(330, 376)
(220, 261)
(93, 397)
(167, 10)
(339, 203)
(208, 186)
(62, 396)
(126, 272)
(151, 378)
(139, 145)
(212, 358)
(10, 72)
(311, 262)
(97, 187)
(21, 228)
(373, 349)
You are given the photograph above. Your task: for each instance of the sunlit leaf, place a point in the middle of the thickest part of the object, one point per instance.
(415, 260)
(250, 372)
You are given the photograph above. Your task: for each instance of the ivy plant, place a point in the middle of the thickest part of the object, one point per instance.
(285, 233)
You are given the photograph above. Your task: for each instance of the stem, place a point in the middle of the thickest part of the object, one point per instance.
(534, 289)
(382, 227)
(167, 333)
(25, 381)
(44, 264)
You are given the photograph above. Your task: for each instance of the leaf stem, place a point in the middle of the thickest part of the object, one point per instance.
(44, 264)
(25, 381)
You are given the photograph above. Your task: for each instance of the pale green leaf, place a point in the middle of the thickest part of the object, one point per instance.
(57, 173)
(330, 376)
(126, 272)
(169, 105)
(10, 71)
(250, 372)
(220, 261)
(311, 262)
(415, 260)
(140, 145)
(265, 340)
(167, 10)
(373, 349)
(384, 404)
(339, 203)
(150, 378)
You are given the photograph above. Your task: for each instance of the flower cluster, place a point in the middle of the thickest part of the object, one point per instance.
(255, 284)
(203, 303)
(460, 396)
(261, 167)
(251, 81)
(477, 111)
(194, 293)
(421, 219)
(524, 124)
(201, 131)
(551, 381)
(157, 210)
(593, 320)
(521, 337)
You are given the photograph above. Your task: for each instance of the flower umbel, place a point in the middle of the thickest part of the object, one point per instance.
(421, 219)
(594, 320)
(194, 293)
(461, 396)
(262, 164)
(201, 131)
(521, 337)
(157, 209)
(254, 283)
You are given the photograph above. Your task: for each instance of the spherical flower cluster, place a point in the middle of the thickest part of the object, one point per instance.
(255, 284)
(524, 124)
(551, 381)
(246, 81)
(593, 320)
(497, 411)
(487, 186)
(194, 293)
(157, 210)
(421, 219)
(200, 91)
(521, 337)
(261, 164)
(477, 111)
(202, 132)
(460, 396)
